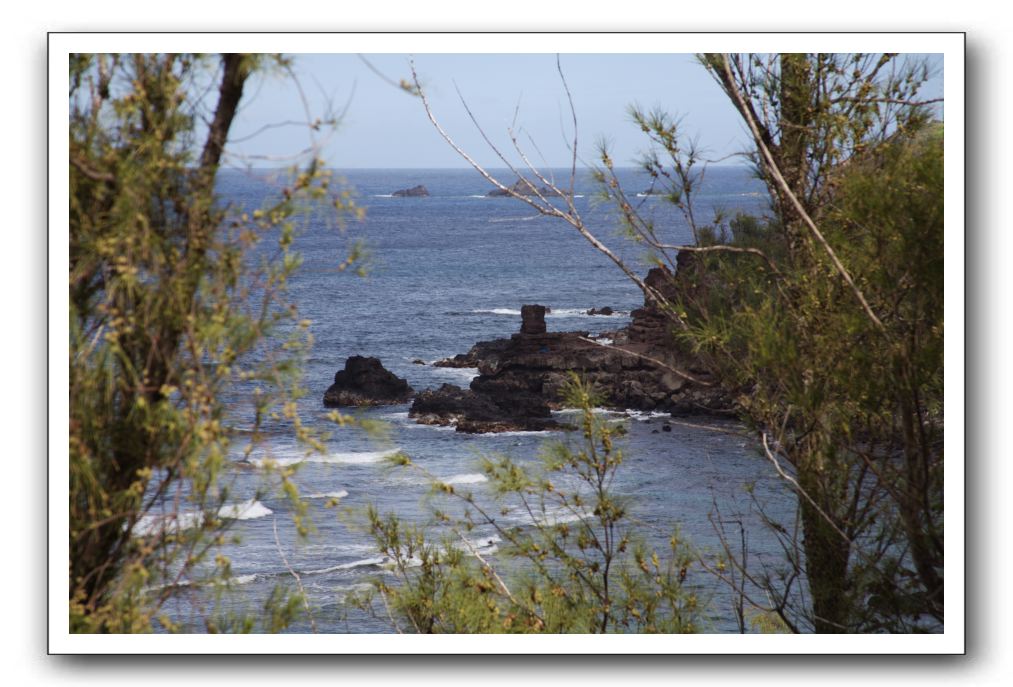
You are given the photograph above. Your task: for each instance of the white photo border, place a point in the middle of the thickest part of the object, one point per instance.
(950, 45)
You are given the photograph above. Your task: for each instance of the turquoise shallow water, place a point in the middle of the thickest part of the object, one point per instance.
(447, 271)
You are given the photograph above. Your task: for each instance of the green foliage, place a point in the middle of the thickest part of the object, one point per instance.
(170, 311)
(576, 565)
(852, 408)
(826, 318)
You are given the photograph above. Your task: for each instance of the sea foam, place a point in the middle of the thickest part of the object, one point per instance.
(340, 494)
(339, 458)
(470, 478)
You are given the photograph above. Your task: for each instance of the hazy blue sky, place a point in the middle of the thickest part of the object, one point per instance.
(385, 127)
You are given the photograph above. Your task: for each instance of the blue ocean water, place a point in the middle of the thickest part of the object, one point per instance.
(447, 271)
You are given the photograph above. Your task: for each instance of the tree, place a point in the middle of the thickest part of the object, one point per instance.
(829, 312)
(170, 310)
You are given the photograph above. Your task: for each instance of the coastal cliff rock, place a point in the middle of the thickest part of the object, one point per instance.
(365, 382)
(419, 191)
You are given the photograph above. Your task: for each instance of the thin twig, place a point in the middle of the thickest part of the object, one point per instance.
(298, 580)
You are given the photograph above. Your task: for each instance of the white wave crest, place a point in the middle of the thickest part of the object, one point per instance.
(470, 478)
(247, 510)
(159, 523)
(340, 494)
(340, 458)
(355, 457)
(578, 312)
(645, 415)
(554, 313)
(377, 560)
(519, 433)
(498, 311)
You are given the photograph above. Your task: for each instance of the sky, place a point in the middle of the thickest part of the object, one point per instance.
(381, 126)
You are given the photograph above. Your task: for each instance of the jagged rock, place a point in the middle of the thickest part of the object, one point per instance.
(365, 382)
(524, 188)
(601, 311)
(419, 191)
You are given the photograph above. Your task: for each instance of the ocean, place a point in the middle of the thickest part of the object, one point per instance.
(444, 272)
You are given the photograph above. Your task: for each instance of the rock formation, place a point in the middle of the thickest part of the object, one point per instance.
(641, 369)
(521, 378)
(525, 188)
(419, 191)
(365, 382)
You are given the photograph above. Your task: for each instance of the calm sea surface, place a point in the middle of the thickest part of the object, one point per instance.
(447, 271)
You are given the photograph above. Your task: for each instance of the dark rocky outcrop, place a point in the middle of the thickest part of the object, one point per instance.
(524, 188)
(419, 191)
(641, 369)
(365, 382)
(483, 350)
(521, 378)
(475, 412)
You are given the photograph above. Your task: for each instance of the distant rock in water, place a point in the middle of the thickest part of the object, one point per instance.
(524, 188)
(601, 311)
(419, 191)
(365, 382)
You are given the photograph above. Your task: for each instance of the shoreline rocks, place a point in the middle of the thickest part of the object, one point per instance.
(365, 382)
